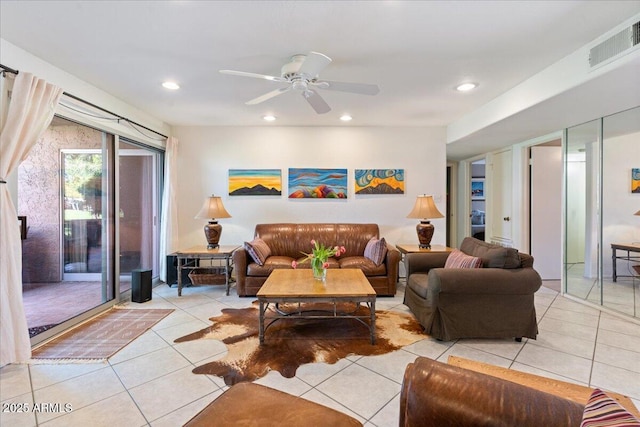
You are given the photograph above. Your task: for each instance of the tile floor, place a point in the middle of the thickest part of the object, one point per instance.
(149, 382)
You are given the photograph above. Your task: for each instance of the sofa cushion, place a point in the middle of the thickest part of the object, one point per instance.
(493, 256)
(273, 262)
(304, 262)
(602, 411)
(376, 250)
(458, 259)
(258, 250)
(368, 267)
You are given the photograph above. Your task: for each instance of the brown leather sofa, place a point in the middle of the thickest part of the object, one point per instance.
(441, 395)
(496, 301)
(288, 241)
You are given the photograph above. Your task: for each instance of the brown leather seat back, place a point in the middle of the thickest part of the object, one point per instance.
(291, 239)
(324, 234)
(279, 238)
(354, 237)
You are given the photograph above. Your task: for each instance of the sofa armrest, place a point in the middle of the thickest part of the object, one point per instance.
(522, 281)
(437, 394)
(240, 262)
(392, 260)
(423, 262)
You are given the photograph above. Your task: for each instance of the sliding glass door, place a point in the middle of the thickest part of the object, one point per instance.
(66, 192)
(602, 220)
(90, 201)
(138, 209)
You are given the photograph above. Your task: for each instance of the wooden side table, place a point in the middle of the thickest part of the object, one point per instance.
(625, 247)
(405, 248)
(202, 253)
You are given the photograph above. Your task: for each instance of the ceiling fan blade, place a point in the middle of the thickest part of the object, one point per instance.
(268, 95)
(314, 63)
(254, 75)
(315, 100)
(360, 88)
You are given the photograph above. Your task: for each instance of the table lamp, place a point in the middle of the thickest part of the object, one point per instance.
(211, 209)
(425, 209)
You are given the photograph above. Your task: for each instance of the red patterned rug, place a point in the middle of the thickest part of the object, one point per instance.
(292, 342)
(99, 338)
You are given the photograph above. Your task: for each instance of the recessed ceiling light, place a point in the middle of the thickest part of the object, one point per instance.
(346, 118)
(171, 85)
(465, 87)
(269, 118)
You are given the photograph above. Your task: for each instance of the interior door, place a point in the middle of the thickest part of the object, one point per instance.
(546, 208)
(500, 198)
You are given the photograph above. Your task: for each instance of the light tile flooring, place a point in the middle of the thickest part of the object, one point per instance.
(149, 382)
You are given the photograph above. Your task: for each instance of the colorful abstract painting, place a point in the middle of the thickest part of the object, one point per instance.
(635, 180)
(379, 181)
(309, 183)
(255, 182)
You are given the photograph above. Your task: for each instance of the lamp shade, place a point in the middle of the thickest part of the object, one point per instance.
(213, 208)
(425, 208)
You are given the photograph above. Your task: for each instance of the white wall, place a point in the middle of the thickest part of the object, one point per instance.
(207, 153)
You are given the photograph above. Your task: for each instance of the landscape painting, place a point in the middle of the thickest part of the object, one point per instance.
(310, 183)
(255, 182)
(635, 180)
(379, 181)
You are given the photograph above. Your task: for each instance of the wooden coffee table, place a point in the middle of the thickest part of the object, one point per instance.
(300, 288)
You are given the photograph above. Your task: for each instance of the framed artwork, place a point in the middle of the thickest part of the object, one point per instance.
(255, 182)
(379, 181)
(635, 180)
(477, 188)
(310, 183)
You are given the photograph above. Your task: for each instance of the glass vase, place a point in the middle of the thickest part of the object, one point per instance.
(319, 273)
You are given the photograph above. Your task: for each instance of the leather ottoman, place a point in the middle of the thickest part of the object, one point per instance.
(248, 404)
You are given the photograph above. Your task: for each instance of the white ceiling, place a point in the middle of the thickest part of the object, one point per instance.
(416, 51)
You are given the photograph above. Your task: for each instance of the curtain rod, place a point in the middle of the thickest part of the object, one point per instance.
(12, 71)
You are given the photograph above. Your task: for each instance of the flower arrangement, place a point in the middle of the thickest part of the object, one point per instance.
(319, 257)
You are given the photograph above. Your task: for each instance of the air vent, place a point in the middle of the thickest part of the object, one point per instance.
(615, 45)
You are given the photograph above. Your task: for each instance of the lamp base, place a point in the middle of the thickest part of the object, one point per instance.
(212, 232)
(425, 232)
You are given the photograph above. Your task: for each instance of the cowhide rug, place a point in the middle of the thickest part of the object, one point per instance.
(291, 342)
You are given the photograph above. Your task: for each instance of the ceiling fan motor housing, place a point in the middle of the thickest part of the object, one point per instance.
(291, 69)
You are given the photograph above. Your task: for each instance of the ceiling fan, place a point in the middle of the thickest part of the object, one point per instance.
(301, 74)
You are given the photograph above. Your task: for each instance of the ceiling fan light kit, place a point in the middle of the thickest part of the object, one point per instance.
(301, 74)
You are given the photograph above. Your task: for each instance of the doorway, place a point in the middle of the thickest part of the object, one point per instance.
(478, 202)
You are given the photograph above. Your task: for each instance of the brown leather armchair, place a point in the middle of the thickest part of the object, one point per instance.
(435, 394)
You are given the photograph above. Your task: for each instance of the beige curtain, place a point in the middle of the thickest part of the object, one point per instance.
(169, 216)
(30, 110)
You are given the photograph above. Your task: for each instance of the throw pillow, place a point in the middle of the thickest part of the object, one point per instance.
(458, 259)
(258, 250)
(603, 411)
(376, 250)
